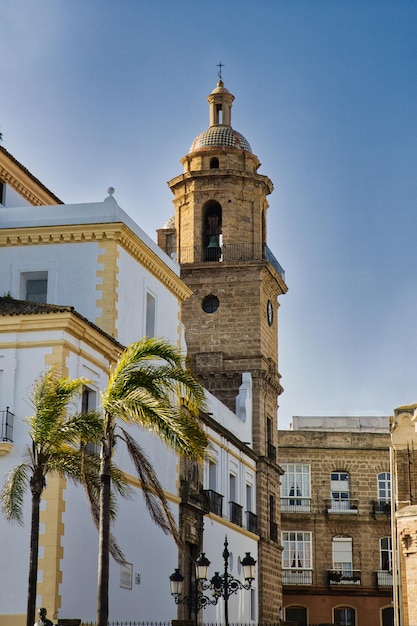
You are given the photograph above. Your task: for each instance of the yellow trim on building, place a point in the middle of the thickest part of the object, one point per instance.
(65, 321)
(51, 517)
(107, 286)
(23, 182)
(117, 232)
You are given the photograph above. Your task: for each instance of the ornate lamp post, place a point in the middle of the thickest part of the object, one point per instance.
(220, 585)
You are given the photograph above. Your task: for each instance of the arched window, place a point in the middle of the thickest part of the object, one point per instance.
(384, 487)
(387, 616)
(385, 551)
(339, 485)
(296, 614)
(212, 229)
(214, 163)
(344, 616)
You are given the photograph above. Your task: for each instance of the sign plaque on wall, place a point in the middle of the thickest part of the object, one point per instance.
(126, 575)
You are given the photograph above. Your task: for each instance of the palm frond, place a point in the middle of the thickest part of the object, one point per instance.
(152, 490)
(50, 397)
(13, 491)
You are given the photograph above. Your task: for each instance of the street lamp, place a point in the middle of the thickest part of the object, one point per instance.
(220, 585)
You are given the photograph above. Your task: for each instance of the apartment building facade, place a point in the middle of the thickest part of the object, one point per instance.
(336, 521)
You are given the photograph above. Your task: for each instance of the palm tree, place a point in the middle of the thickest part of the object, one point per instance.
(55, 437)
(149, 386)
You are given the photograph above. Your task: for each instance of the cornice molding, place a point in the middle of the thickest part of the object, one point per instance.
(23, 182)
(67, 322)
(117, 231)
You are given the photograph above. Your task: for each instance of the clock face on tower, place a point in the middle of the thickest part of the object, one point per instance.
(269, 312)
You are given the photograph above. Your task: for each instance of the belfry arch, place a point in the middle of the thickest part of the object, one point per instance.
(212, 230)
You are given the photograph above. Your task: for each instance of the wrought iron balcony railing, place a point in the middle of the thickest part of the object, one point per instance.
(381, 507)
(344, 577)
(251, 522)
(226, 252)
(383, 578)
(271, 451)
(297, 576)
(294, 504)
(215, 502)
(344, 507)
(236, 513)
(6, 422)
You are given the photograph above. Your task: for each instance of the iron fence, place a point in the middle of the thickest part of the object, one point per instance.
(6, 425)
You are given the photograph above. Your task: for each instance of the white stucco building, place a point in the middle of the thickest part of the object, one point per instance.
(78, 283)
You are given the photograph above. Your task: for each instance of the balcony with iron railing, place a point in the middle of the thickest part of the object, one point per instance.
(383, 578)
(6, 431)
(6, 425)
(344, 577)
(381, 507)
(292, 504)
(348, 506)
(226, 252)
(215, 501)
(251, 522)
(235, 513)
(271, 451)
(297, 576)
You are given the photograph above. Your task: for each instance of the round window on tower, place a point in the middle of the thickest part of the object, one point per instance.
(210, 304)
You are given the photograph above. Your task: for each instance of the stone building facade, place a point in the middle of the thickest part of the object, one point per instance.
(219, 237)
(404, 469)
(335, 517)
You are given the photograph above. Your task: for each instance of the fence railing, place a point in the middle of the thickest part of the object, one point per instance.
(384, 578)
(203, 623)
(344, 577)
(297, 576)
(226, 252)
(294, 504)
(236, 513)
(381, 507)
(215, 502)
(344, 507)
(251, 522)
(6, 425)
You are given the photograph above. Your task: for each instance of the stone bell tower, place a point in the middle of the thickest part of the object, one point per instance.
(219, 238)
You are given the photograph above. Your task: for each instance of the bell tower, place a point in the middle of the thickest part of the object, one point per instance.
(219, 236)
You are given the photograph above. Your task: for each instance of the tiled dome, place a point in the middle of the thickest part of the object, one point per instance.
(220, 136)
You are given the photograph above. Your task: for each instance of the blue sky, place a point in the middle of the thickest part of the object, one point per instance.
(98, 93)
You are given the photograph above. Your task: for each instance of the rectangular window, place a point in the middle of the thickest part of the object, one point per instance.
(295, 488)
(386, 553)
(150, 315)
(251, 519)
(384, 486)
(339, 485)
(212, 475)
(34, 286)
(249, 500)
(296, 557)
(271, 450)
(273, 526)
(89, 403)
(232, 488)
(342, 554)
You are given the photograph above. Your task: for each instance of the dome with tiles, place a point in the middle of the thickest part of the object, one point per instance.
(220, 136)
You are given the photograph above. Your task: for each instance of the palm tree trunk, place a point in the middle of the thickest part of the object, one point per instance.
(104, 535)
(33, 558)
